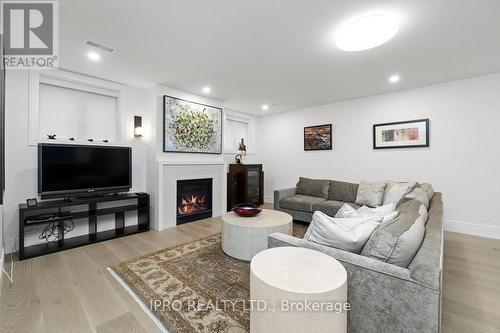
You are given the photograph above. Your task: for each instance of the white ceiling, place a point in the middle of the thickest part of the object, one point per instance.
(277, 51)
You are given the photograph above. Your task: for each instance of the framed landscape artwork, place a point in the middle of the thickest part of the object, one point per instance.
(190, 127)
(318, 137)
(403, 134)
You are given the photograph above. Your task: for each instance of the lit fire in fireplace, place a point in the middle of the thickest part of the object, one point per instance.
(192, 204)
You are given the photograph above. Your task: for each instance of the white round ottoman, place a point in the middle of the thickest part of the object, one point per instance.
(244, 237)
(295, 289)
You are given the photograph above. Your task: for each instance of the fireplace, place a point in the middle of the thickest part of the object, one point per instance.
(194, 200)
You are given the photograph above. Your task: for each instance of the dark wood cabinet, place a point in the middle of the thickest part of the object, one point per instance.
(245, 184)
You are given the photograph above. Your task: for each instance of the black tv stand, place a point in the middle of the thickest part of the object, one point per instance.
(94, 196)
(59, 211)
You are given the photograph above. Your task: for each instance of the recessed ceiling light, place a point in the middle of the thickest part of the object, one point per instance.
(207, 90)
(366, 32)
(94, 56)
(394, 78)
(265, 107)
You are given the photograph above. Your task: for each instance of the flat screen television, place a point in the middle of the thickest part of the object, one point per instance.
(69, 170)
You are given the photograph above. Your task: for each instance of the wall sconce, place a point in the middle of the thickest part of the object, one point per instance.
(138, 132)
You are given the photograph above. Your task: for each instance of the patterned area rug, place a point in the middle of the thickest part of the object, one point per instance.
(194, 287)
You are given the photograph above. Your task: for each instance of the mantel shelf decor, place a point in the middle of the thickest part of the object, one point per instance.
(190, 127)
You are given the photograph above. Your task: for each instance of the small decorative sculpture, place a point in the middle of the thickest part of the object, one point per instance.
(238, 158)
(105, 141)
(51, 136)
(71, 139)
(90, 140)
(243, 147)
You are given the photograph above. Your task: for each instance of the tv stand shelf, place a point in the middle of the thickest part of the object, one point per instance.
(64, 210)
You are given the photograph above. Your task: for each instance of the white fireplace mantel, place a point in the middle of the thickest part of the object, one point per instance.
(171, 171)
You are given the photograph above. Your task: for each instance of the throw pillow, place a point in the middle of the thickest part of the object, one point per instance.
(343, 191)
(422, 192)
(348, 234)
(394, 191)
(313, 187)
(346, 211)
(417, 195)
(387, 212)
(397, 241)
(428, 190)
(370, 194)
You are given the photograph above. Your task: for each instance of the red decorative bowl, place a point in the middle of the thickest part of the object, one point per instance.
(247, 210)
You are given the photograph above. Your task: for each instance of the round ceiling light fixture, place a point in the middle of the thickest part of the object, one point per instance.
(207, 90)
(94, 56)
(265, 107)
(366, 32)
(394, 78)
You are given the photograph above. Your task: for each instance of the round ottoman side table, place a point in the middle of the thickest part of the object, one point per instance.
(244, 237)
(296, 289)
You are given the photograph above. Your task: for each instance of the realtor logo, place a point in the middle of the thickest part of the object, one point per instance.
(30, 34)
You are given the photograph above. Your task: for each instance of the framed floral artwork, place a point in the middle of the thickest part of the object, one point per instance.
(190, 127)
(402, 134)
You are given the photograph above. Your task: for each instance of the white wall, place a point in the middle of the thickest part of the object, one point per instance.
(79, 114)
(21, 158)
(462, 162)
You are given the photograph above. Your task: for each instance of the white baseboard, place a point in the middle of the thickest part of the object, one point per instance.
(481, 230)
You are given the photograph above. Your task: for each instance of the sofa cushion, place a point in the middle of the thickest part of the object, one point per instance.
(422, 192)
(396, 242)
(330, 207)
(387, 212)
(303, 203)
(347, 210)
(348, 234)
(411, 205)
(313, 187)
(370, 194)
(428, 190)
(395, 191)
(343, 191)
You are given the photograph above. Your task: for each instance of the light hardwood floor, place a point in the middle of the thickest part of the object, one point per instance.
(72, 291)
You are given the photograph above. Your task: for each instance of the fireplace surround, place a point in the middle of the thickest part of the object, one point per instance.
(194, 199)
(165, 197)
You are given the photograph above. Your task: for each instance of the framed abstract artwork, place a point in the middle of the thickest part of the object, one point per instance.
(318, 137)
(190, 127)
(403, 134)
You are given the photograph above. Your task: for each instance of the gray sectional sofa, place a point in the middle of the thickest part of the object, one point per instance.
(384, 297)
(315, 194)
